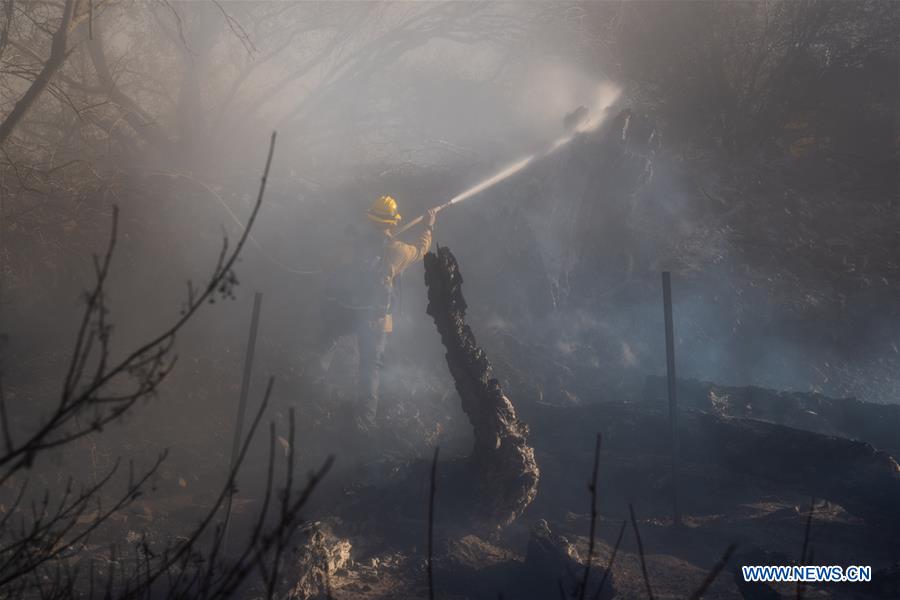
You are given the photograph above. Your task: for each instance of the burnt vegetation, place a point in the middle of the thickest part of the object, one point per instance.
(749, 148)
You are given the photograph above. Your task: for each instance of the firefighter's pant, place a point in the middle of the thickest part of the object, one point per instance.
(371, 342)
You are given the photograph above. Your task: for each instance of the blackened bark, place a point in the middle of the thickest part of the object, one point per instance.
(503, 465)
(58, 54)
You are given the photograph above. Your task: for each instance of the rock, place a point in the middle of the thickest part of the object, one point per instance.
(551, 560)
(474, 553)
(474, 567)
(548, 551)
(321, 557)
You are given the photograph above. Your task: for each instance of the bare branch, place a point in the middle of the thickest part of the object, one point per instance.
(147, 365)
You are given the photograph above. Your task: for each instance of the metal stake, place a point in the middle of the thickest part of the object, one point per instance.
(242, 409)
(673, 404)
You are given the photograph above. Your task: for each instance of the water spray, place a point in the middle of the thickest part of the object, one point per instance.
(577, 122)
(580, 120)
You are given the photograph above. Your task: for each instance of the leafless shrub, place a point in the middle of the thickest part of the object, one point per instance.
(37, 533)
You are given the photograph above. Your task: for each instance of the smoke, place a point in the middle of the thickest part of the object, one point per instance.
(557, 252)
(602, 312)
(553, 89)
(570, 192)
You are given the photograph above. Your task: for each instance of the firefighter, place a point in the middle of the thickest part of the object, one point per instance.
(362, 297)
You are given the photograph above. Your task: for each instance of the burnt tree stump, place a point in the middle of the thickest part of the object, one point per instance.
(503, 471)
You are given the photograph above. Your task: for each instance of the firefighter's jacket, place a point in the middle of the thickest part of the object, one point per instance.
(400, 255)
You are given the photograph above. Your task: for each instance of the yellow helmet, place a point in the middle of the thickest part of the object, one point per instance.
(384, 211)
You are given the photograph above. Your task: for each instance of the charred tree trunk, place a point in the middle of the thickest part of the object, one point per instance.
(58, 55)
(502, 463)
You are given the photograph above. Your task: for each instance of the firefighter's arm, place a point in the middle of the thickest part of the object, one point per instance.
(403, 255)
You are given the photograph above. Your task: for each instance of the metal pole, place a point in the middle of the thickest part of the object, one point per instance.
(242, 408)
(673, 404)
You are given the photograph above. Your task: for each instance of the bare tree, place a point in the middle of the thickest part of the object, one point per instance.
(74, 12)
(734, 73)
(99, 390)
